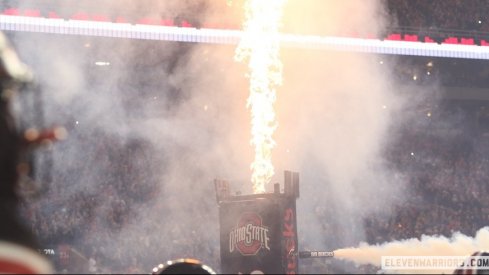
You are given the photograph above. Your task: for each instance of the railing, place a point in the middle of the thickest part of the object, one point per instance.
(437, 35)
(407, 33)
(436, 45)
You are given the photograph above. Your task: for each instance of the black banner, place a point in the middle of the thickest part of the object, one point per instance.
(250, 237)
(290, 248)
(259, 235)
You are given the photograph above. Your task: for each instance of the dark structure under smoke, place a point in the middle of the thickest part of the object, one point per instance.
(259, 232)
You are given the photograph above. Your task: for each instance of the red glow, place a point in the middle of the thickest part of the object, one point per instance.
(467, 41)
(186, 24)
(100, 18)
(11, 12)
(32, 13)
(121, 19)
(451, 40)
(394, 36)
(413, 38)
(53, 15)
(167, 23)
(80, 16)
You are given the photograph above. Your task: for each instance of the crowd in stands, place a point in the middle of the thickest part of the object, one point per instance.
(450, 184)
(448, 72)
(93, 213)
(456, 15)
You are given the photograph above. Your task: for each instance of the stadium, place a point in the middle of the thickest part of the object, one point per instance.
(381, 107)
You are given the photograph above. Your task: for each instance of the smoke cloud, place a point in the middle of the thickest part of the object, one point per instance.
(147, 136)
(458, 245)
(335, 111)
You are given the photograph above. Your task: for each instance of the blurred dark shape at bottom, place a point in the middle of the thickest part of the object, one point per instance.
(482, 255)
(183, 266)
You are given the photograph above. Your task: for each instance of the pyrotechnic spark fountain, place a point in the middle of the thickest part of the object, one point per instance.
(259, 46)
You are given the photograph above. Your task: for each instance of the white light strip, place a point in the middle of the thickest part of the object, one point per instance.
(165, 33)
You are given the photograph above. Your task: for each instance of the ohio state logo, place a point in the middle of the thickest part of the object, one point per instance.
(249, 235)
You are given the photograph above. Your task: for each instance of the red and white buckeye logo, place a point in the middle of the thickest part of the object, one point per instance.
(249, 235)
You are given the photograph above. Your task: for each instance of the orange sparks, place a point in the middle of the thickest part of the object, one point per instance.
(260, 47)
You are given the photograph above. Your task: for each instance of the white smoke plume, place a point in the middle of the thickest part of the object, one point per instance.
(335, 113)
(159, 123)
(458, 245)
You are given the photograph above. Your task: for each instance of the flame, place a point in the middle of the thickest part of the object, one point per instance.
(260, 47)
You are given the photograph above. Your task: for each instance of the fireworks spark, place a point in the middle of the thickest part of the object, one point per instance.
(260, 47)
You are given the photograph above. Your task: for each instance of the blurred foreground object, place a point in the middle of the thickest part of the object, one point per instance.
(18, 248)
(13, 73)
(483, 256)
(183, 266)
